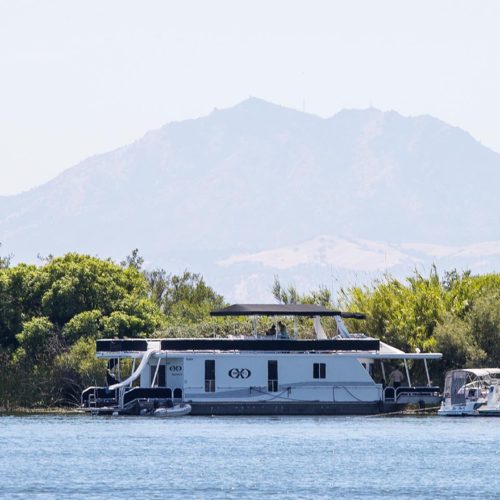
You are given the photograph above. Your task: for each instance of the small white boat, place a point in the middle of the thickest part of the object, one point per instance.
(175, 411)
(471, 392)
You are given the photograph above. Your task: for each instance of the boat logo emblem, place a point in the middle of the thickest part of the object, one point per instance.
(239, 373)
(175, 368)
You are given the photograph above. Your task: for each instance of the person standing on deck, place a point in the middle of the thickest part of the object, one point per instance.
(397, 377)
(282, 330)
(272, 331)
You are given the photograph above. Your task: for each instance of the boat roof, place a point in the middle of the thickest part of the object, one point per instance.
(282, 310)
(358, 347)
(480, 372)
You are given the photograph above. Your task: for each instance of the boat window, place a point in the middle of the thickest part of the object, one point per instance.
(177, 393)
(160, 382)
(169, 393)
(319, 370)
(209, 375)
(272, 376)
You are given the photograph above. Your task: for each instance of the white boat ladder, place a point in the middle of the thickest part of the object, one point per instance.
(92, 401)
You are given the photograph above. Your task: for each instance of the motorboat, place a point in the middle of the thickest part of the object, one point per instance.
(262, 373)
(473, 392)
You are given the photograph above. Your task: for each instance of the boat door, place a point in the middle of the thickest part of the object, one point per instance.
(175, 377)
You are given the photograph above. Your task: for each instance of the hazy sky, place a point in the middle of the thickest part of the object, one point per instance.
(80, 78)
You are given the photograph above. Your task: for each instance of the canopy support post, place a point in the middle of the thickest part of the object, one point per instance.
(427, 372)
(295, 327)
(407, 373)
(133, 366)
(383, 372)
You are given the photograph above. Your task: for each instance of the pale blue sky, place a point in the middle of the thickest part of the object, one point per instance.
(80, 78)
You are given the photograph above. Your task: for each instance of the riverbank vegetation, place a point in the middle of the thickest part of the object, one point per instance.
(51, 314)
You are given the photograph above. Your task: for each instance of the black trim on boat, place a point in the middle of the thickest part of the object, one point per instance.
(410, 391)
(289, 408)
(120, 345)
(241, 345)
(269, 345)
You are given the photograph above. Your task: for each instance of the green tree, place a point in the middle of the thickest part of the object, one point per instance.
(454, 341)
(285, 295)
(75, 283)
(485, 327)
(185, 297)
(134, 260)
(78, 368)
(5, 261)
(66, 301)
(87, 324)
(37, 339)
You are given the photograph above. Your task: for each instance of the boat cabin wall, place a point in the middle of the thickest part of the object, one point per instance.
(221, 372)
(167, 373)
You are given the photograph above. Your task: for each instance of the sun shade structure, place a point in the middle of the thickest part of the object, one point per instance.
(282, 310)
(480, 372)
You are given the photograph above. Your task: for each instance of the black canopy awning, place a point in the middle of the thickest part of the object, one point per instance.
(282, 310)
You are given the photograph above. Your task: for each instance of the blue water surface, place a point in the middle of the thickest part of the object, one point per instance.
(249, 457)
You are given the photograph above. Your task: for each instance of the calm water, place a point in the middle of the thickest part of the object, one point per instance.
(235, 457)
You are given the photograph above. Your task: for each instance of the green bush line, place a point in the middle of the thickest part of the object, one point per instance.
(51, 315)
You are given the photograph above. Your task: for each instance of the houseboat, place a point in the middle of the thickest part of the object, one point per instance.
(473, 392)
(272, 373)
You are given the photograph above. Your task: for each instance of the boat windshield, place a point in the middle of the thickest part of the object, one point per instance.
(454, 387)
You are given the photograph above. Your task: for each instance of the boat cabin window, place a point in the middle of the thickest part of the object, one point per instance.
(177, 393)
(272, 376)
(319, 370)
(169, 393)
(209, 375)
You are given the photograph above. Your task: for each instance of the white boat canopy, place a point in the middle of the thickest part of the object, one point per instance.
(480, 372)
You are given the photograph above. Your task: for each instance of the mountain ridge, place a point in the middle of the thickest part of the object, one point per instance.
(262, 176)
(260, 102)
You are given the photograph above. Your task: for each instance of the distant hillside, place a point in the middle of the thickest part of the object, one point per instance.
(258, 177)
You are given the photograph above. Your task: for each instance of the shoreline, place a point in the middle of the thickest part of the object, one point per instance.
(40, 411)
